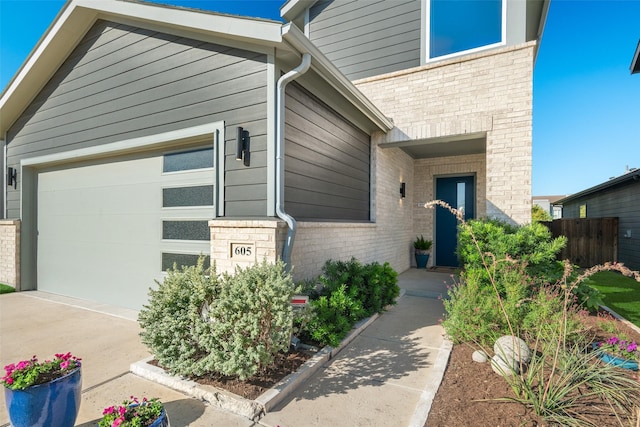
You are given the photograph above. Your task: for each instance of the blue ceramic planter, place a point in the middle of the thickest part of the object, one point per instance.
(422, 259)
(53, 404)
(162, 421)
(615, 360)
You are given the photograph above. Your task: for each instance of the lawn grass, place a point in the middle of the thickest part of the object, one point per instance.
(621, 294)
(5, 289)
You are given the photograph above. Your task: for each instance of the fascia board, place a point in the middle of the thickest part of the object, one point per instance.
(77, 17)
(325, 69)
(293, 8)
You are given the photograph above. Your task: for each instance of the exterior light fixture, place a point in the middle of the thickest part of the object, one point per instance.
(12, 177)
(242, 147)
(403, 190)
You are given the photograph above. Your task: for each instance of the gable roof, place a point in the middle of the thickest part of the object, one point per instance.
(78, 16)
(632, 175)
(635, 63)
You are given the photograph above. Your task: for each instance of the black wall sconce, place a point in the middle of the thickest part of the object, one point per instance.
(403, 190)
(242, 148)
(12, 177)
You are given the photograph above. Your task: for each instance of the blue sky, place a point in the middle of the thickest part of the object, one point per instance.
(586, 102)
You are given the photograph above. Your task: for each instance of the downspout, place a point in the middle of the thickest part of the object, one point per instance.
(291, 222)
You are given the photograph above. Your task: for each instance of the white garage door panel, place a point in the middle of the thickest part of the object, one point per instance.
(100, 230)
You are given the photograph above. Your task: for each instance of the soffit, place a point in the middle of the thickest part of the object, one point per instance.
(458, 145)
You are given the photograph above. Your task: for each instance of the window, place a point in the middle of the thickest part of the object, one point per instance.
(188, 160)
(182, 260)
(185, 230)
(460, 25)
(201, 195)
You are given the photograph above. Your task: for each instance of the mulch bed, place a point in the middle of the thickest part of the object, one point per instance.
(468, 392)
(252, 388)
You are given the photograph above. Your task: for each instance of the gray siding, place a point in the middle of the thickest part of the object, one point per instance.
(124, 82)
(327, 162)
(621, 201)
(367, 38)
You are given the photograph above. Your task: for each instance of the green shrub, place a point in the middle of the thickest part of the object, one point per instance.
(505, 261)
(374, 285)
(249, 321)
(348, 291)
(334, 316)
(173, 313)
(235, 325)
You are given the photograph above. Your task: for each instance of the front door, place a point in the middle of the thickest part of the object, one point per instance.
(459, 193)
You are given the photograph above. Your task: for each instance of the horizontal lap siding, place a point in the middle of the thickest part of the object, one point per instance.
(367, 38)
(123, 82)
(327, 162)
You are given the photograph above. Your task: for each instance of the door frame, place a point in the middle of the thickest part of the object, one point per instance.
(474, 177)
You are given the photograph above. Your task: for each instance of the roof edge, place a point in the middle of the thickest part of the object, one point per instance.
(633, 175)
(293, 8)
(635, 63)
(330, 73)
(76, 18)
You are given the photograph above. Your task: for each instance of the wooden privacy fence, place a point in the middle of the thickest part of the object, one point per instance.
(590, 241)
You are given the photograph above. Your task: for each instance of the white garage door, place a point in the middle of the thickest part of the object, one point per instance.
(107, 230)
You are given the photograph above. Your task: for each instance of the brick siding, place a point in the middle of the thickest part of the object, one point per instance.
(10, 252)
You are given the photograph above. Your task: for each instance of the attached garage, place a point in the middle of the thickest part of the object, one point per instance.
(107, 227)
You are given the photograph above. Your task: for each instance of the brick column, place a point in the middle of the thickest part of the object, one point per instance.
(10, 252)
(245, 242)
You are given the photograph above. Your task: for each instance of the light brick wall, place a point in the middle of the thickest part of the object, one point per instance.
(10, 252)
(265, 235)
(485, 92)
(387, 240)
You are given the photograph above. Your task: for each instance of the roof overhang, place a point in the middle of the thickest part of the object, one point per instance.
(78, 16)
(451, 145)
(633, 175)
(635, 64)
(293, 8)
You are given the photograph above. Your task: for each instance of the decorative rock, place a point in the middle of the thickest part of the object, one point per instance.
(479, 356)
(503, 367)
(512, 348)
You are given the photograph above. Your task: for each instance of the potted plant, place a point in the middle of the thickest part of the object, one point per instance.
(422, 247)
(43, 393)
(618, 352)
(133, 412)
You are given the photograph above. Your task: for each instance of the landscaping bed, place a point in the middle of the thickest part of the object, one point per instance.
(471, 391)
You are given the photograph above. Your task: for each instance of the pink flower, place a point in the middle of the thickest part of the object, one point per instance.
(109, 410)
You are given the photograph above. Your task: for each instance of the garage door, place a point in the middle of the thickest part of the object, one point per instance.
(108, 229)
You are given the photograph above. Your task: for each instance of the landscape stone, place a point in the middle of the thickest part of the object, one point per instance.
(504, 367)
(480, 356)
(507, 347)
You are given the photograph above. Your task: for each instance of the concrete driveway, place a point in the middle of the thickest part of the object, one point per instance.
(42, 324)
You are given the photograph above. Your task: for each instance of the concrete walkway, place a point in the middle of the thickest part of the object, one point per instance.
(387, 376)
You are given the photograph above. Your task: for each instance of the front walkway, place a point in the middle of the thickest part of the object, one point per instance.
(387, 376)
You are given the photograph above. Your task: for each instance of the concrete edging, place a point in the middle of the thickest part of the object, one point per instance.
(252, 409)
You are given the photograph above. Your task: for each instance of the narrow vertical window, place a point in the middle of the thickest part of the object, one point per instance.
(461, 196)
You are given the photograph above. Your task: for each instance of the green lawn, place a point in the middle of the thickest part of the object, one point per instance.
(621, 294)
(5, 289)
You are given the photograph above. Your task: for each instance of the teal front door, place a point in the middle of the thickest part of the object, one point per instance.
(459, 193)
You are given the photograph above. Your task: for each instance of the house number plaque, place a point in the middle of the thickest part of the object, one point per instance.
(243, 251)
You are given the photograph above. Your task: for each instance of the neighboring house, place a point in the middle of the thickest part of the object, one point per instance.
(124, 123)
(548, 203)
(618, 197)
(635, 63)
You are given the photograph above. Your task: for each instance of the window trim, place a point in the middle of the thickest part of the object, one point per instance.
(425, 39)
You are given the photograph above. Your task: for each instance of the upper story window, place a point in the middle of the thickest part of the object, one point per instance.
(457, 26)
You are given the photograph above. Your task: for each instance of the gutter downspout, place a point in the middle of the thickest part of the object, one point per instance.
(280, 96)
